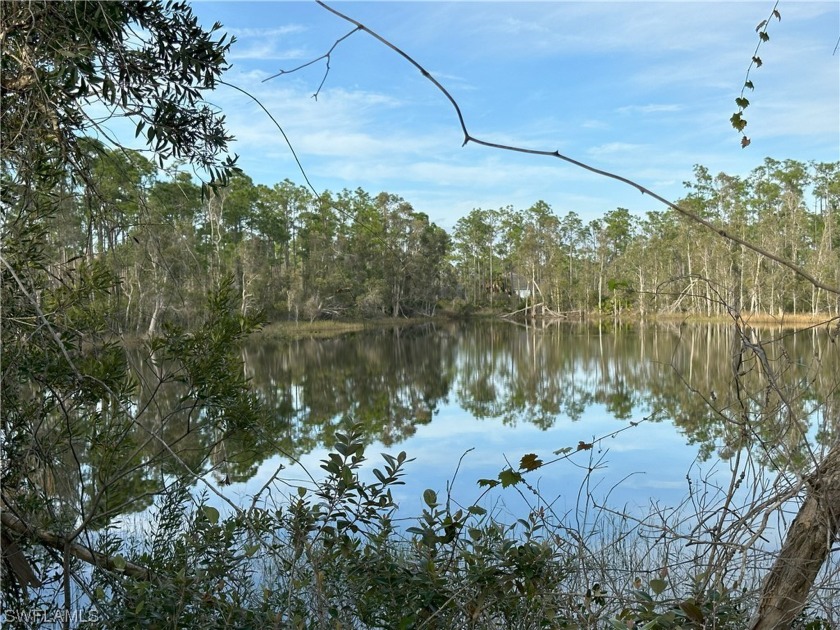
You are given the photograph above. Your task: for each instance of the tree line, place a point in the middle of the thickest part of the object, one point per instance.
(661, 263)
(292, 254)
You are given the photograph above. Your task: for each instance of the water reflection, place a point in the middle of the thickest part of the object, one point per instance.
(394, 380)
(397, 380)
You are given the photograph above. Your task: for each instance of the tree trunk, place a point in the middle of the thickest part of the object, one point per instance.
(154, 321)
(806, 547)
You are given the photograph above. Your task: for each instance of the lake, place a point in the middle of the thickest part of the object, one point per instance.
(636, 412)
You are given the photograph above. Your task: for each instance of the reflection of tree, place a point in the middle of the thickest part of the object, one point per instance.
(389, 380)
(717, 413)
(392, 380)
(534, 375)
(528, 375)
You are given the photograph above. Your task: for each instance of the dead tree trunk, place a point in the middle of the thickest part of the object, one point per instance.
(805, 549)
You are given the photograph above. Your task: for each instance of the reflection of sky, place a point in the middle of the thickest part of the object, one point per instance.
(645, 463)
(523, 377)
(642, 470)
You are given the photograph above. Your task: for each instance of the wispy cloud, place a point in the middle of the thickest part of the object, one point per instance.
(594, 124)
(652, 108)
(612, 148)
(277, 31)
(267, 51)
(269, 43)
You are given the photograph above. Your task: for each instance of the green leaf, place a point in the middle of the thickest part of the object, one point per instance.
(430, 497)
(509, 478)
(530, 462)
(477, 510)
(210, 513)
(757, 61)
(118, 563)
(250, 550)
(490, 483)
(777, 15)
(742, 102)
(738, 122)
(692, 611)
(763, 36)
(749, 85)
(657, 585)
(745, 142)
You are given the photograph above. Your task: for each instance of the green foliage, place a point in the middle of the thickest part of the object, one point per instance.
(61, 55)
(331, 554)
(94, 245)
(76, 445)
(209, 365)
(651, 608)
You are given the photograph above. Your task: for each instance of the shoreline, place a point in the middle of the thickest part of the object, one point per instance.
(324, 329)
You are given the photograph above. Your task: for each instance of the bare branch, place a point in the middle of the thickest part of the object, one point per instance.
(276, 124)
(50, 539)
(798, 270)
(327, 55)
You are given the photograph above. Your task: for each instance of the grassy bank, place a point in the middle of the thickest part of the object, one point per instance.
(785, 320)
(324, 329)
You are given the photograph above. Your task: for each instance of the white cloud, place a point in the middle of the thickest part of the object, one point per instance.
(643, 89)
(267, 43)
(254, 33)
(567, 27)
(267, 50)
(611, 148)
(652, 108)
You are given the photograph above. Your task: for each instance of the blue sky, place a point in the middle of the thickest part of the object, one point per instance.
(643, 89)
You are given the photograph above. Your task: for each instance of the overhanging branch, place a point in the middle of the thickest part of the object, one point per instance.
(798, 270)
(50, 539)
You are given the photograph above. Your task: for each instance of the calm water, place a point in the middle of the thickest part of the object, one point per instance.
(485, 394)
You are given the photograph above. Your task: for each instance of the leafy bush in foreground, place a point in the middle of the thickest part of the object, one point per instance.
(334, 556)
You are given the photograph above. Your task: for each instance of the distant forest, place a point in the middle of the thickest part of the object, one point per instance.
(291, 254)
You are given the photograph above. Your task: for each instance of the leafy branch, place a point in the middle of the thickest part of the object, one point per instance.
(738, 121)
